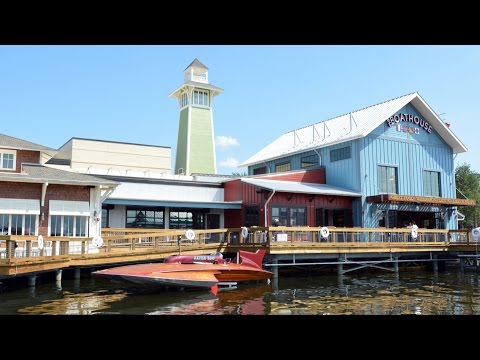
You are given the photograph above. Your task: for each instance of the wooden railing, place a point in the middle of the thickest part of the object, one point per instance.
(160, 240)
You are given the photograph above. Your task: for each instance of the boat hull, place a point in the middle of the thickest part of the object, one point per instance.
(183, 275)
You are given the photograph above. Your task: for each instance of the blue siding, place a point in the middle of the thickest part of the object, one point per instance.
(410, 153)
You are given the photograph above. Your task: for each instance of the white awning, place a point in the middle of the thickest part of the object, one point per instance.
(75, 208)
(20, 206)
(299, 187)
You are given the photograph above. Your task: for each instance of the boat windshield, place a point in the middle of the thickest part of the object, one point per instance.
(219, 254)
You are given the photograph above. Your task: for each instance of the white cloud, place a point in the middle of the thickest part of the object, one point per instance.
(226, 141)
(230, 162)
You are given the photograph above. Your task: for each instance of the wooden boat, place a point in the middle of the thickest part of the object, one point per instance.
(182, 271)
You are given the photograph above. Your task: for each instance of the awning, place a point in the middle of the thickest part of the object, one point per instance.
(300, 187)
(19, 206)
(72, 208)
(428, 200)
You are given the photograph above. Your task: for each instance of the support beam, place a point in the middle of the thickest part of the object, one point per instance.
(435, 263)
(32, 279)
(76, 273)
(58, 275)
(340, 267)
(395, 264)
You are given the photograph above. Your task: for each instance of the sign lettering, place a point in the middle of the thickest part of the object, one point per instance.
(397, 118)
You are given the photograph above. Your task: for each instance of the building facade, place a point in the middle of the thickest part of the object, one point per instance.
(398, 154)
(38, 200)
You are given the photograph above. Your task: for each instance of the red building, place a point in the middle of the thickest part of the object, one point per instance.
(293, 198)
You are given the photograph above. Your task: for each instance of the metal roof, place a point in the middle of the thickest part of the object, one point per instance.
(198, 85)
(196, 63)
(351, 126)
(34, 173)
(19, 144)
(299, 187)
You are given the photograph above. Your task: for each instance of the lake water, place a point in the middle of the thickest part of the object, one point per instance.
(421, 293)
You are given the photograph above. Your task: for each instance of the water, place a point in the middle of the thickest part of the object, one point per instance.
(421, 293)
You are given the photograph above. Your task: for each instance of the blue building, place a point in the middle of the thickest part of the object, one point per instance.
(398, 154)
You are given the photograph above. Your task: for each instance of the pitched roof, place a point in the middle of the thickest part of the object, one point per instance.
(300, 187)
(196, 63)
(34, 173)
(19, 144)
(199, 85)
(351, 126)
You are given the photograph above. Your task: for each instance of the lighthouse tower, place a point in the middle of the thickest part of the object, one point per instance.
(195, 144)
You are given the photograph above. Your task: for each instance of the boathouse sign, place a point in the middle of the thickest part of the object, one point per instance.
(397, 118)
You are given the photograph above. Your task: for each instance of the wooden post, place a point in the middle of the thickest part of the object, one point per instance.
(28, 248)
(32, 279)
(76, 273)
(10, 249)
(54, 248)
(340, 266)
(84, 242)
(58, 275)
(395, 264)
(435, 263)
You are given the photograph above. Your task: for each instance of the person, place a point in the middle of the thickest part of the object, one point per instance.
(414, 226)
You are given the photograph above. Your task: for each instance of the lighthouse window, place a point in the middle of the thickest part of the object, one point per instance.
(184, 100)
(200, 97)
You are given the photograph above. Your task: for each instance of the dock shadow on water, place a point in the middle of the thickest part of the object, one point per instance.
(421, 293)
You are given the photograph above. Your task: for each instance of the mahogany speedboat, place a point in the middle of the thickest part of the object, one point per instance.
(196, 271)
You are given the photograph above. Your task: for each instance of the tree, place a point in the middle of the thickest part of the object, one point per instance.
(239, 174)
(468, 186)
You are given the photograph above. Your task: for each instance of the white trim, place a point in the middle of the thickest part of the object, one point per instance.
(19, 206)
(213, 138)
(12, 152)
(72, 208)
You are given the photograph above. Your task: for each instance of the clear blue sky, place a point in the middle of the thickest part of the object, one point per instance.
(49, 94)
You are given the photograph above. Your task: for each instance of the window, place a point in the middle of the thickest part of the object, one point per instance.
(18, 224)
(68, 226)
(308, 161)
(289, 216)
(251, 216)
(259, 171)
(431, 183)
(105, 219)
(340, 154)
(387, 179)
(282, 167)
(342, 218)
(7, 159)
(200, 97)
(145, 218)
(186, 219)
(184, 100)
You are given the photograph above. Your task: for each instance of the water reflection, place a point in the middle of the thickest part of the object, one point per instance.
(419, 293)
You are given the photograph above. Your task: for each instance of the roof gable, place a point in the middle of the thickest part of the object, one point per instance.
(351, 126)
(20, 144)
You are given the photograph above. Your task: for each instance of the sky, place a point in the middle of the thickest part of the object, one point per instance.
(49, 94)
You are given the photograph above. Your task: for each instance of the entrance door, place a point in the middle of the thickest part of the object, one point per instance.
(213, 222)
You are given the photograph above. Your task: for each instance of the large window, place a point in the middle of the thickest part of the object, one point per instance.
(431, 183)
(260, 170)
(340, 154)
(289, 216)
(68, 226)
(308, 161)
(145, 218)
(186, 220)
(105, 218)
(200, 97)
(387, 179)
(252, 217)
(7, 159)
(282, 167)
(18, 224)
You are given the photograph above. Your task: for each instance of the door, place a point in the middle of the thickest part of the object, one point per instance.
(213, 222)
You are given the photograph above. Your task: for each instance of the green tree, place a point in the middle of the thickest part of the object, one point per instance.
(239, 174)
(468, 185)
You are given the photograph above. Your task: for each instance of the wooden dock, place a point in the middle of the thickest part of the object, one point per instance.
(21, 255)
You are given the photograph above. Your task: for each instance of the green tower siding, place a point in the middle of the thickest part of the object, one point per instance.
(201, 142)
(181, 158)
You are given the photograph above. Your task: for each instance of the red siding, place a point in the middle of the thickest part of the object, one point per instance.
(233, 190)
(310, 176)
(233, 218)
(25, 156)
